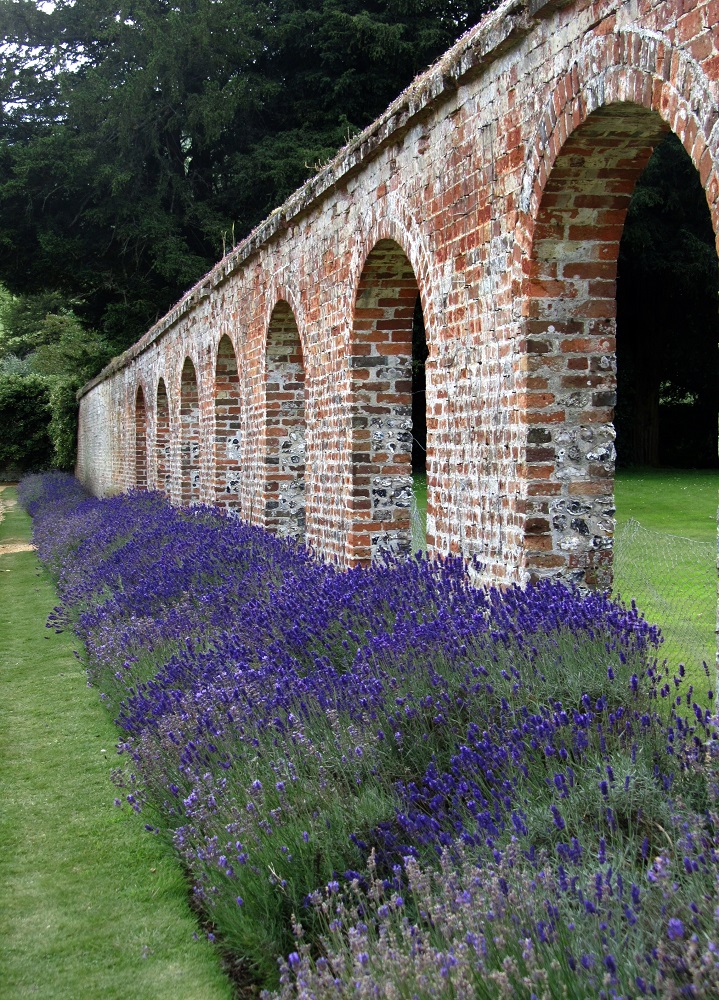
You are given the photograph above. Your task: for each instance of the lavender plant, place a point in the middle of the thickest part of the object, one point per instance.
(515, 765)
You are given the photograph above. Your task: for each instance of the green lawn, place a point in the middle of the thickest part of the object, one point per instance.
(665, 558)
(91, 905)
(678, 501)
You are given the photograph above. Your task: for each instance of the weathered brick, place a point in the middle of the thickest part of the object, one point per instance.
(279, 385)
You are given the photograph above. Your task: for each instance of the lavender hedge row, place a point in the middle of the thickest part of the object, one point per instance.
(397, 783)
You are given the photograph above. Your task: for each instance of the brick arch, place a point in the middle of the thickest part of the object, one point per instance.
(408, 237)
(600, 142)
(190, 434)
(163, 464)
(285, 292)
(285, 424)
(140, 422)
(628, 68)
(380, 368)
(228, 426)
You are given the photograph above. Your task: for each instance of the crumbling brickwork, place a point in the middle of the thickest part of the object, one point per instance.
(496, 188)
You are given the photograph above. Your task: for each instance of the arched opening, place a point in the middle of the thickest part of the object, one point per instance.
(667, 405)
(420, 353)
(228, 429)
(570, 386)
(140, 440)
(387, 396)
(190, 428)
(570, 392)
(284, 426)
(162, 440)
(667, 320)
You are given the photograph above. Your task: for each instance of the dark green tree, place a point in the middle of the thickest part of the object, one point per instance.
(668, 319)
(139, 139)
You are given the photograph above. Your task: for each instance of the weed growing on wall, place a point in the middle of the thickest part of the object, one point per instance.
(400, 783)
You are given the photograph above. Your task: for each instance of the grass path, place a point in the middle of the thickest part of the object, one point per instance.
(91, 906)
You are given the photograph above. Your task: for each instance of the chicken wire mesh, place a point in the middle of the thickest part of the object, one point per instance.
(674, 583)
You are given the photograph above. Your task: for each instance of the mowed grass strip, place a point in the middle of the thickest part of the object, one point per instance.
(91, 905)
(677, 501)
(670, 569)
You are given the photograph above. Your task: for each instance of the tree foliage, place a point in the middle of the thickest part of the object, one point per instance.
(45, 344)
(137, 139)
(668, 318)
(24, 416)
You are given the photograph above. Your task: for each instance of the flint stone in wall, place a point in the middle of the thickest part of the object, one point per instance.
(396, 543)
(583, 525)
(392, 433)
(398, 369)
(390, 492)
(233, 448)
(290, 509)
(292, 450)
(575, 399)
(578, 446)
(291, 496)
(232, 481)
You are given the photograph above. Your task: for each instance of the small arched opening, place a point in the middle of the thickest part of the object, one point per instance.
(388, 353)
(190, 427)
(228, 427)
(284, 426)
(140, 440)
(162, 440)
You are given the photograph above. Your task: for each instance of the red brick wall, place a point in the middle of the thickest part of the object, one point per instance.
(496, 187)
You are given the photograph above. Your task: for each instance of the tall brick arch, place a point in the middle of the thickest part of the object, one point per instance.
(284, 424)
(141, 439)
(473, 181)
(190, 483)
(163, 460)
(391, 273)
(228, 426)
(605, 118)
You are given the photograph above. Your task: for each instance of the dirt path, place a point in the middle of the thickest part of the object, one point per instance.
(7, 503)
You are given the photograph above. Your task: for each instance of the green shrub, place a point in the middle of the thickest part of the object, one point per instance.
(63, 423)
(24, 416)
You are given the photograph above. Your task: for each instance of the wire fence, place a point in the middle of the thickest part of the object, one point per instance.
(674, 583)
(418, 523)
